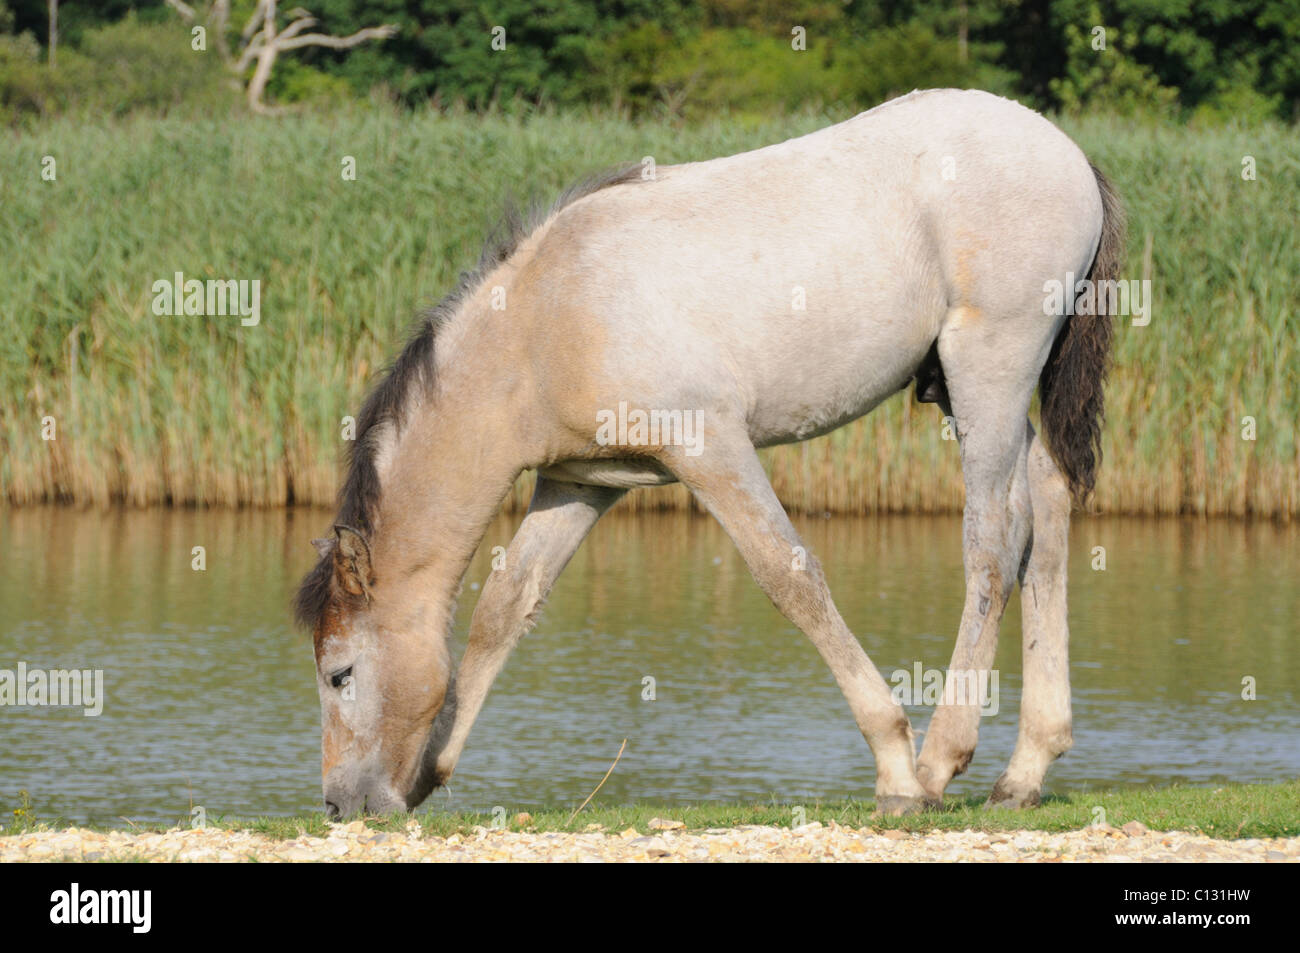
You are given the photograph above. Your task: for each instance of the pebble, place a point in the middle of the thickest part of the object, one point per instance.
(667, 842)
(654, 846)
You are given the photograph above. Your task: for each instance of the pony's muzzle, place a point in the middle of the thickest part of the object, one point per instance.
(341, 802)
(344, 799)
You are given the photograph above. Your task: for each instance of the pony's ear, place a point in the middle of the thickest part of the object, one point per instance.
(352, 561)
(323, 546)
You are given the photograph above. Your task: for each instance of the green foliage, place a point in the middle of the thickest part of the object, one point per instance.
(1237, 99)
(737, 71)
(740, 72)
(1100, 73)
(125, 66)
(1214, 62)
(23, 818)
(23, 86)
(295, 82)
(897, 60)
(445, 47)
(1204, 49)
(133, 65)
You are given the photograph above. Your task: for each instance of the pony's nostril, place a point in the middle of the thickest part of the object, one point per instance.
(332, 809)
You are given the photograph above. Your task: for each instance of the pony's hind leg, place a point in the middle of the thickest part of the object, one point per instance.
(1045, 702)
(729, 481)
(990, 411)
(558, 519)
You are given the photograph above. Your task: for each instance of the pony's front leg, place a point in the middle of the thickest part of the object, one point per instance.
(558, 519)
(728, 479)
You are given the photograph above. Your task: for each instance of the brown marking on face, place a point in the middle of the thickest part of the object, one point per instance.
(330, 625)
(335, 736)
(333, 743)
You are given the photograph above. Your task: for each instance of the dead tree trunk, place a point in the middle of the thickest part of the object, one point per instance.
(261, 42)
(54, 31)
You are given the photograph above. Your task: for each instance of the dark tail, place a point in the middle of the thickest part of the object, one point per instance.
(1073, 403)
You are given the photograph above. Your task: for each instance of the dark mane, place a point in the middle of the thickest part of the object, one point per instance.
(414, 368)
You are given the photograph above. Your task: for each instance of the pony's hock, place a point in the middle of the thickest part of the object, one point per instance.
(918, 236)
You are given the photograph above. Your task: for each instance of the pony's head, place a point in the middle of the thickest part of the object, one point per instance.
(382, 679)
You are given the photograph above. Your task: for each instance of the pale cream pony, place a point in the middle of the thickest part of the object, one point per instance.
(770, 296)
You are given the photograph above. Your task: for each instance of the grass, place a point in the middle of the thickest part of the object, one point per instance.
(1229, 811)
(203, 411)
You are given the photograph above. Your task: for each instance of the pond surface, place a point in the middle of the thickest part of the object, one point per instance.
(210, 699)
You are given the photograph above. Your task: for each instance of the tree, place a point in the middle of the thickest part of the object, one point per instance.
(1108, 77)
(261, 41)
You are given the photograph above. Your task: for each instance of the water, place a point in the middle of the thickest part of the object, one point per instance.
(210, 697)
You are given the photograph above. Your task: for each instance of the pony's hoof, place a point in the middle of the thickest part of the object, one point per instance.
(899, 805)
(932, 787)
(1007, 796)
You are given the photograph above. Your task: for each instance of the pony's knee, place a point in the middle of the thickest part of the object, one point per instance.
(792, 579)
(509, 605)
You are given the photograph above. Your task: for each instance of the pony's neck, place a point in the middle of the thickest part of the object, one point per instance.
(443, 477)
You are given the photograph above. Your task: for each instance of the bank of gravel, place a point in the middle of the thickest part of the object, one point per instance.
(666, 843)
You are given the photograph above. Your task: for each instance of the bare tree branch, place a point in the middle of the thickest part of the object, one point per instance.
(340, 42)
(249, 53)
(219, 16)
(261, 43)
(296, 27)
(259, 12)
(54, 32)
(185, 10)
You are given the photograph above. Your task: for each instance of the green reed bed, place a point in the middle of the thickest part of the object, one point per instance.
(202, 410)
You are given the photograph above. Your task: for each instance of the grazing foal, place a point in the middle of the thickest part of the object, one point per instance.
(919, 237)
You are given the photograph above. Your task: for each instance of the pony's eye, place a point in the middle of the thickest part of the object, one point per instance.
(338, 678)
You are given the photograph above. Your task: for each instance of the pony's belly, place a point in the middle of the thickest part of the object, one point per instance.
(793, 429)
(795, 406)
(621, 474)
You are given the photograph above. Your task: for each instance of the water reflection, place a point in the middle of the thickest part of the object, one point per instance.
(211, 699)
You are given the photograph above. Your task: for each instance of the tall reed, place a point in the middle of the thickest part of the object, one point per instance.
(200, 410)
